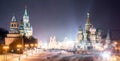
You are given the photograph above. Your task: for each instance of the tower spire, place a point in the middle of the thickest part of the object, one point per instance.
(88, 18)
(13, 18)
(108, 35)
(26, 24)
(88, 14)
(88, 25)
(25, 14)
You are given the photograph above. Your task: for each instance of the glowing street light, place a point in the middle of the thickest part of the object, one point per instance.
(115, 43)
(6, 49)
(26, 48)
(31, 45)
(26, 45)
(19, 46)
(36, 45)
(106, 55)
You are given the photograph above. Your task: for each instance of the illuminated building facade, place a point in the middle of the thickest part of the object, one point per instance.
(20, 33)
(14, 33)
(90, 36)
(25, 27)
(52, 43)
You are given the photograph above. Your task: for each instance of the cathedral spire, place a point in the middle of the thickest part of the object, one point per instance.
(88, 25)
(88, 14)
(13, 18)
(88, 18)
(108, 35)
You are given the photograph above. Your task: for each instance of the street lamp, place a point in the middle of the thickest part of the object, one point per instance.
(26, 48)
(5, 47)
(19, 46)
(36, 45)
(26, 45)
(31, 45)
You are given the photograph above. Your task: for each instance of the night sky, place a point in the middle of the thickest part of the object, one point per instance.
(61, 18)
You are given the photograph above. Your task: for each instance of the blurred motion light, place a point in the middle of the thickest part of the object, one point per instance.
(106, 54)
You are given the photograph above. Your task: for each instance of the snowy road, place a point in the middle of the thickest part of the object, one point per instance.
(59, 57)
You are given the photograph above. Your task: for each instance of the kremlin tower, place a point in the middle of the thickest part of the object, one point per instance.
(28, 31)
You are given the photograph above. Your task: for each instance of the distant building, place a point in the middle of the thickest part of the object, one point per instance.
(90, 36)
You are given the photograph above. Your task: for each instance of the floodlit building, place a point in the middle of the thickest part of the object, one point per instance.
(52, 43)
(25, 27)
(20, 34)
(89, 36)
(14, 33)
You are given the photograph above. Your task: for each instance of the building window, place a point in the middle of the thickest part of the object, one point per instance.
(14, 25)
(11, 25)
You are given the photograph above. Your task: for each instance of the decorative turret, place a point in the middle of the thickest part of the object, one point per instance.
(80, 34)
(92, 35)
(98, 36)
(99, 32)
(13, 25)
(80, 30)
(108, 40)
(13, 19)
(92, 30)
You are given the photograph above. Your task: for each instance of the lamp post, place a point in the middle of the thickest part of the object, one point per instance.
(32, 46)
(26, 48)
(19, 46)
(36, 45)
(26, 45)
(5, 47)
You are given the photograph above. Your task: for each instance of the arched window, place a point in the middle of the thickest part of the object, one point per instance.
(14, 25)
(11, 25)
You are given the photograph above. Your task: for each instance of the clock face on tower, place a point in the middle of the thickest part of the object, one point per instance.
(25, 20)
